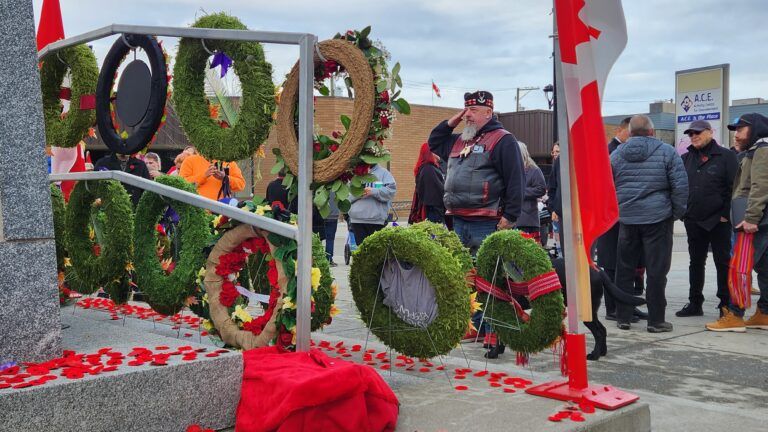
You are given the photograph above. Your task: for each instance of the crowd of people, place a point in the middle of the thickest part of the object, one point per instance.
(482, 179)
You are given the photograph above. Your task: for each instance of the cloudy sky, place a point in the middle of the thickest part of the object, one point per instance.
(497, 45)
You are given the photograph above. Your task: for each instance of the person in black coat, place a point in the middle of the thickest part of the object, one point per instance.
(128, 164)
(711, 170)
(427, 201)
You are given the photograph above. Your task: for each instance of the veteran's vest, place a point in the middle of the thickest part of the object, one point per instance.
(473, 187)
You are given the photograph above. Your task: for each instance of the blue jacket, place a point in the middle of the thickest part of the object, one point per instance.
(651, 182)
(374, 208)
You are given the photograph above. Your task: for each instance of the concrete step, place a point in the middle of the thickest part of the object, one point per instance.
(169, 398)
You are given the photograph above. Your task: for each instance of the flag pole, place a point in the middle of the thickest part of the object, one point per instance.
(577, 387)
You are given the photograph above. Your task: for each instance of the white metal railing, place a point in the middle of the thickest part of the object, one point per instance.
(303, 234)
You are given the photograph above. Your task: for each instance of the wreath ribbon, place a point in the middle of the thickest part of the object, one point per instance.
(483, 285)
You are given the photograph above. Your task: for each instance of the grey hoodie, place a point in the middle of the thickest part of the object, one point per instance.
(374, 208)
(651, 182)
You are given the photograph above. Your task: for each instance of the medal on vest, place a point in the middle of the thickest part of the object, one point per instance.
(465, 151)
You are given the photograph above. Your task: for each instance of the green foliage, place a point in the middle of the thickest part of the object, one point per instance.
(443, 272)
(68, 130)
(257, 103)
(497, 253)
(59, 213)
(91, 271)
(449, 240)
(166, 293)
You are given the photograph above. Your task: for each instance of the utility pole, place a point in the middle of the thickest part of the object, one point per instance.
(526, 90)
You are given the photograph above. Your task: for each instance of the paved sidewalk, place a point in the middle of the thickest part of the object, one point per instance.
(693, 380)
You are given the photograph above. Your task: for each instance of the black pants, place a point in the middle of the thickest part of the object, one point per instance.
(654, 243)
(361, 231)
(699, 240)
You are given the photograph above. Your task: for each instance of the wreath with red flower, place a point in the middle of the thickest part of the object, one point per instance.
(227, 306)
(387, 101)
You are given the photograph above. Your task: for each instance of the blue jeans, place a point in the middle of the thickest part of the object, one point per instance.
(472, 234)
(760, 245)
(330, 236)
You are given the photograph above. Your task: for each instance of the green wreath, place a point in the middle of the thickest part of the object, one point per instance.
(166, 293)
(66, 130)
(257, 103)
(59, 210)
(449, 240)
(443, 272)
(530, 260)
(109, 197)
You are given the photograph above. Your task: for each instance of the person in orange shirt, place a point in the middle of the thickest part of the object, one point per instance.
(211, 178)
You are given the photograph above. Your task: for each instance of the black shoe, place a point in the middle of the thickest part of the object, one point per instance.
(689, 310)
(640, 315)
(623, 325)
(612, 317)
(494, 352)
(332, 264)
(661, 327)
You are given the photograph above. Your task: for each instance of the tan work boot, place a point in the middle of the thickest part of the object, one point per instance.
(758, 321)
(729, 322)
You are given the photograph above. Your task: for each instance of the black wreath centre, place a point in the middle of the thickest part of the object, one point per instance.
(145, 130)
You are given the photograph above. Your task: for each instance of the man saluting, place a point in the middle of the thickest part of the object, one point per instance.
(485, 176)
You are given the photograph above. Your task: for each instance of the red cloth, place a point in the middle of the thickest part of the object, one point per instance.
(312, 392)
(51, 27)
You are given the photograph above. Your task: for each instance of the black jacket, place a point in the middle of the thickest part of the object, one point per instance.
(711, 172)
(555, 201)
(505, 157)
(429, 186)
(133, 166)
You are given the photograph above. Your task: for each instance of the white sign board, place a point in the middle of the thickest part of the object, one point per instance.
(701, 94)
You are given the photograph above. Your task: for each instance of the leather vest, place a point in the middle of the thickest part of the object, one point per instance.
(473, 187)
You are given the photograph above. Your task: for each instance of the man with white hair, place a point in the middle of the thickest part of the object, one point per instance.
(485, 177)
(652, 191)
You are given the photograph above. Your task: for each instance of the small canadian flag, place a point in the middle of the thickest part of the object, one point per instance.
(435, 89)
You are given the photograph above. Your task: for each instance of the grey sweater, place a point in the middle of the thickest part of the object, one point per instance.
(651, 182)
(374, 208)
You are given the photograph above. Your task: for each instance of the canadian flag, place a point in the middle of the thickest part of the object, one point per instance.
(435, 89)
(63, 160)
(592, 34)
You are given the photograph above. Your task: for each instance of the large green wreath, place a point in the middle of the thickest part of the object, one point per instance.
(67, 130)
(257, 103)
(113, 262)
(449, 240)
(167, 292)
(59, 210)
(530, 260)
(443, 272)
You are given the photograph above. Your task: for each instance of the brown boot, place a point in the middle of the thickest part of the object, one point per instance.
(758, 321)
(729, 322)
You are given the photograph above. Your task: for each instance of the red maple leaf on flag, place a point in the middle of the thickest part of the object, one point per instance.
(581, 32)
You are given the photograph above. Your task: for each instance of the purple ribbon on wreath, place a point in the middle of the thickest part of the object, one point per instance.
(221, 59)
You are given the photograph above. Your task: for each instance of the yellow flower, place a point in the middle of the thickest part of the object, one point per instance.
(207, 325)
(315, 278)
(474, 305)
(334, 310)
(471, 327)
(91, 233)
(67, 262)
(129, 266)
(260, 153)
(288, 303)
(260, 210)
(334, 289)
(216, 221)
(241, 314)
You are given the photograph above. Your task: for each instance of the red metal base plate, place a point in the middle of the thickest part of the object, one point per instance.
(602, 396)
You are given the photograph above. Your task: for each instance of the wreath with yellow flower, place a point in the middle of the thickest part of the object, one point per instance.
(245, 263)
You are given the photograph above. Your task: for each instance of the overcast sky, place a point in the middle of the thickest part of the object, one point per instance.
(496, 45)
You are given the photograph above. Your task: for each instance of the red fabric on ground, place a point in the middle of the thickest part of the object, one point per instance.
(312, 392)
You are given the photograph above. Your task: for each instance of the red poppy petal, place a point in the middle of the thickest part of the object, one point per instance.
(425, 369)
(461, 387)
(509, 390)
